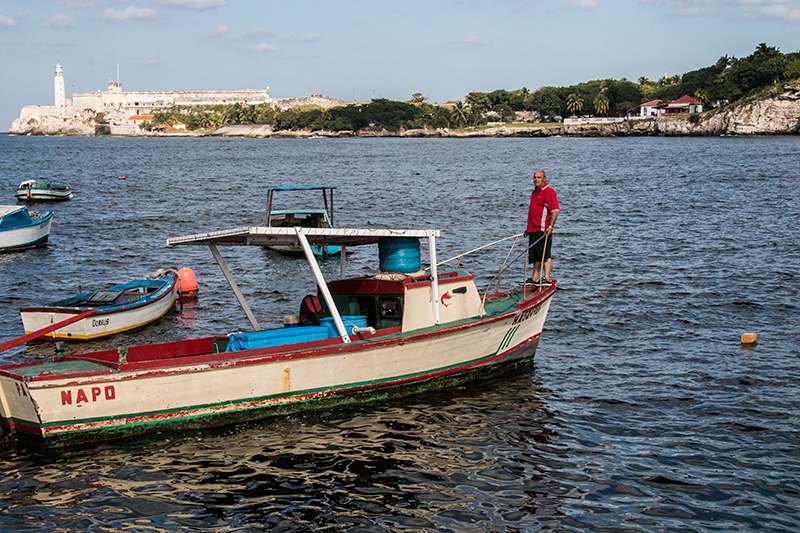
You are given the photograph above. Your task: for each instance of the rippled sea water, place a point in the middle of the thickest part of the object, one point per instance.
(642, 411)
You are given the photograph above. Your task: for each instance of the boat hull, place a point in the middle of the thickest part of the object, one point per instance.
(106, 321)
(100, 401)
(25, 237)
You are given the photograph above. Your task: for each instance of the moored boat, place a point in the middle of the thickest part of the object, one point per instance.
(21, 229)
(43, 191)
(113, 310)
(304, 217)
(395, 332)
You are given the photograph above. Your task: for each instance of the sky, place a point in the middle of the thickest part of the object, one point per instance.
(359, 50)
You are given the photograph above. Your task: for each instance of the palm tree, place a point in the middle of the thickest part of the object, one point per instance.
(601, 103)
(459, 113)
(701, 96)
(574, 103)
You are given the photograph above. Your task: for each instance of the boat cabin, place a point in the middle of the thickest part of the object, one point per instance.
(304, 218)
(404, 300)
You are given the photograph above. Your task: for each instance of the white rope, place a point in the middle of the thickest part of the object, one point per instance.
(479, 248)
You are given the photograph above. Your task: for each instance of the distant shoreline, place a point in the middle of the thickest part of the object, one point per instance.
(777, 115)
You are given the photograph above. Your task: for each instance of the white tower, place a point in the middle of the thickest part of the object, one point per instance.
(61, 94)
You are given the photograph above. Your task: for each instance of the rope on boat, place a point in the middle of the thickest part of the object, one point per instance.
(506, 262)
(479, 248)
(503, 268)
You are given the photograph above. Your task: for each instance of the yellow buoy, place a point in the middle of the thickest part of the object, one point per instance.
(748, 338)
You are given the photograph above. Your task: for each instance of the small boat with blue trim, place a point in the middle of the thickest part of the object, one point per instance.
(43, 191)
(113, 310)
(402, 330)
(21, 229)
(303, 217)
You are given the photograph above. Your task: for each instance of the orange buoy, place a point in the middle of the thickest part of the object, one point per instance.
(188, 280)
(121, 178)
(748, 338)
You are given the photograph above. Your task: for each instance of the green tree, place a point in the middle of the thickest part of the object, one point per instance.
(546, 102)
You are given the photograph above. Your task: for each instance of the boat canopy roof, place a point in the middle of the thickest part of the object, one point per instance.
(299, 211)
(9, 209)
(272, 236)
(300, 188)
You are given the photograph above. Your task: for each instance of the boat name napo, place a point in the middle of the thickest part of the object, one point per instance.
(100, 322)
(95, 393)
(525, 315)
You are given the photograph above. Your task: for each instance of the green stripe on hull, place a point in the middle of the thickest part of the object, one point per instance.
(370, 391)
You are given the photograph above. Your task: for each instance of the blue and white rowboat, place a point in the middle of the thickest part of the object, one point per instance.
(117, 309)
(21, 229)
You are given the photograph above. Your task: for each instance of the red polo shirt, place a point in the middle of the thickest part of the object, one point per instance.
(543, 202)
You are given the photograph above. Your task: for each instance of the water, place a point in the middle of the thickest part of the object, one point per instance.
(642, 413)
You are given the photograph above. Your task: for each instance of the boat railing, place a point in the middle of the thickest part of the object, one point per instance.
(522, 254)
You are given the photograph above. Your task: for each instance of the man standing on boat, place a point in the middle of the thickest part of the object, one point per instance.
(542, 215)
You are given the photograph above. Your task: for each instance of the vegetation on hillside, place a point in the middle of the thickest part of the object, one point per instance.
(730, 79)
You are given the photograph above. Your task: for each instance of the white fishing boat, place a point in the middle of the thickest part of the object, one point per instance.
(402, 330)
(113, 310)
(305, 217)
(21, 229)
(43, 191)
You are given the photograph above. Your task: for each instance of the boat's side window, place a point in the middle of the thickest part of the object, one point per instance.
(390, 307)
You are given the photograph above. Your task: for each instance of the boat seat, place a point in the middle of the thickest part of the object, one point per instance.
(104, 297)
(310, 308)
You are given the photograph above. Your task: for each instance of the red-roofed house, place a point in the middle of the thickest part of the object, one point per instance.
(651, 108)
(684, 104)
(138, 119)
(658, 108)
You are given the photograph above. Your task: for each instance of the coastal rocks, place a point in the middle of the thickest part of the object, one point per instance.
(50, 120)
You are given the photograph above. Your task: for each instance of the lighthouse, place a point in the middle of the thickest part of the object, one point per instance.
(60, 92)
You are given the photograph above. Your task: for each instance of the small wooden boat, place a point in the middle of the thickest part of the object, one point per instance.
(21, 229)
(303, 217)
(116, 309)
(43, 191)
(366, 338)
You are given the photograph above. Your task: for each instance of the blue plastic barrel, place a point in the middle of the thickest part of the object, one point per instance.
(348, 320)
(399, 254)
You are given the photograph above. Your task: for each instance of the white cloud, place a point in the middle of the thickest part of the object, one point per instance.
(76, 4)
(59, 21)
(471, 41)
(6, 22)
(311, 37)
(777, 12)
(585, 4)
(743, 9)
(219, 31)
(263, 47)
(129, 13)
(192, 4)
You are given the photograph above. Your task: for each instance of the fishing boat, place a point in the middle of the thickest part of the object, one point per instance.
(303, 217)
(21, 229)
(43, 191)
(402, 330)
(106, 312)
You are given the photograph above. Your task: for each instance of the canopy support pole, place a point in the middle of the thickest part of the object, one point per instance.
(234, 286)
(342, 261)
(326, 294)
(434, 277)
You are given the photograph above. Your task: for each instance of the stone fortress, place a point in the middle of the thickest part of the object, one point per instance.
(122, 111)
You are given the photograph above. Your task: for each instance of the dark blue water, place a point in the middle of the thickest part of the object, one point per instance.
(642, 413)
